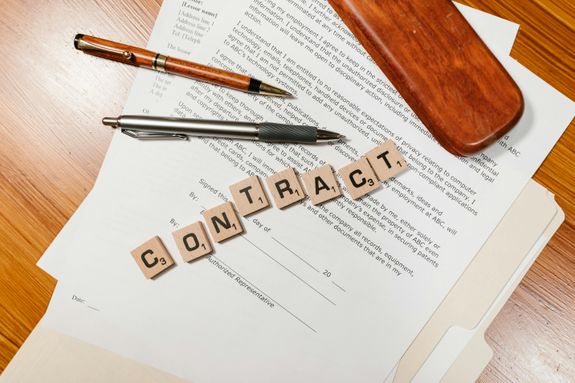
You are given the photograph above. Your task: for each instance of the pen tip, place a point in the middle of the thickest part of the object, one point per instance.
(327, 135)
(270, 90)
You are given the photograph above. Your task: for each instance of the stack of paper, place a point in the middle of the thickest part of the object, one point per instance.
(352, 283)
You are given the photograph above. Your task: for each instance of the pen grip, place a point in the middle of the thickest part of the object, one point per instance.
(205, 73)
(272, 132)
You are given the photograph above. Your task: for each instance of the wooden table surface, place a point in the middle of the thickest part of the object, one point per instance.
(52, 146)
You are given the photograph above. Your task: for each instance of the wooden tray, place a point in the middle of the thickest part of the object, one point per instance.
(440, 66)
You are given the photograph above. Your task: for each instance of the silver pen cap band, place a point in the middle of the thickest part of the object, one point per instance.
(159, 63)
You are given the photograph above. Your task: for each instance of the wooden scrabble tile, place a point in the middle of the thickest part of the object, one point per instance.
(285, 188)
(321, 184)
(249, 196)
(386, 160)
(152, 257)
(192, 241)
(223, 222)
(359, 178)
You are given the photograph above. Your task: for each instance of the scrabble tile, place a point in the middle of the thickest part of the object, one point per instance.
(249, 196)
(359, 178)
(321, 184)
(152, 257)
(386, 160)
(192, 241)
(285, 188)
(223, 222)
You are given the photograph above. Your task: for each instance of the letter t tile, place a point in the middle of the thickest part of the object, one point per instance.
(249, 196)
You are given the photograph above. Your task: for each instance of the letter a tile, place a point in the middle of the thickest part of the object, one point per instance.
(249, 196)
(192, 241)
(285, 188)
(321, 185)
(152, 257)
(386, 160)
(359, 178)
(223, 222)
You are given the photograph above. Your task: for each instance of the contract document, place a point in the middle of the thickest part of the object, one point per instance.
(335, 292)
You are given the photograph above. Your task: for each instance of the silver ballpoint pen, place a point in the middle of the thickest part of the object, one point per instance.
(158, 128)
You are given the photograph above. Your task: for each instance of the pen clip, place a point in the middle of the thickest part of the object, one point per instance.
(149, 136)
(123, 54)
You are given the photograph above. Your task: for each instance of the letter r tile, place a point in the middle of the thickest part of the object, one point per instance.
(386, 160)
(192, 241)
(223, 222)
(249, 196)
(321, 184)
(359, 178)
(152, 257)
(285, 188)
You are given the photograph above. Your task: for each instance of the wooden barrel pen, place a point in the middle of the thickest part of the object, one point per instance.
(128, 54)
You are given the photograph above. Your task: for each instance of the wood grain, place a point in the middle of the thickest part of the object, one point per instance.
(52, 142)
(534, 335)
(438, 63)
(52, 146)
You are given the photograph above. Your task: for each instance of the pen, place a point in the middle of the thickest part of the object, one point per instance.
(144, 58)
(153, 128)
